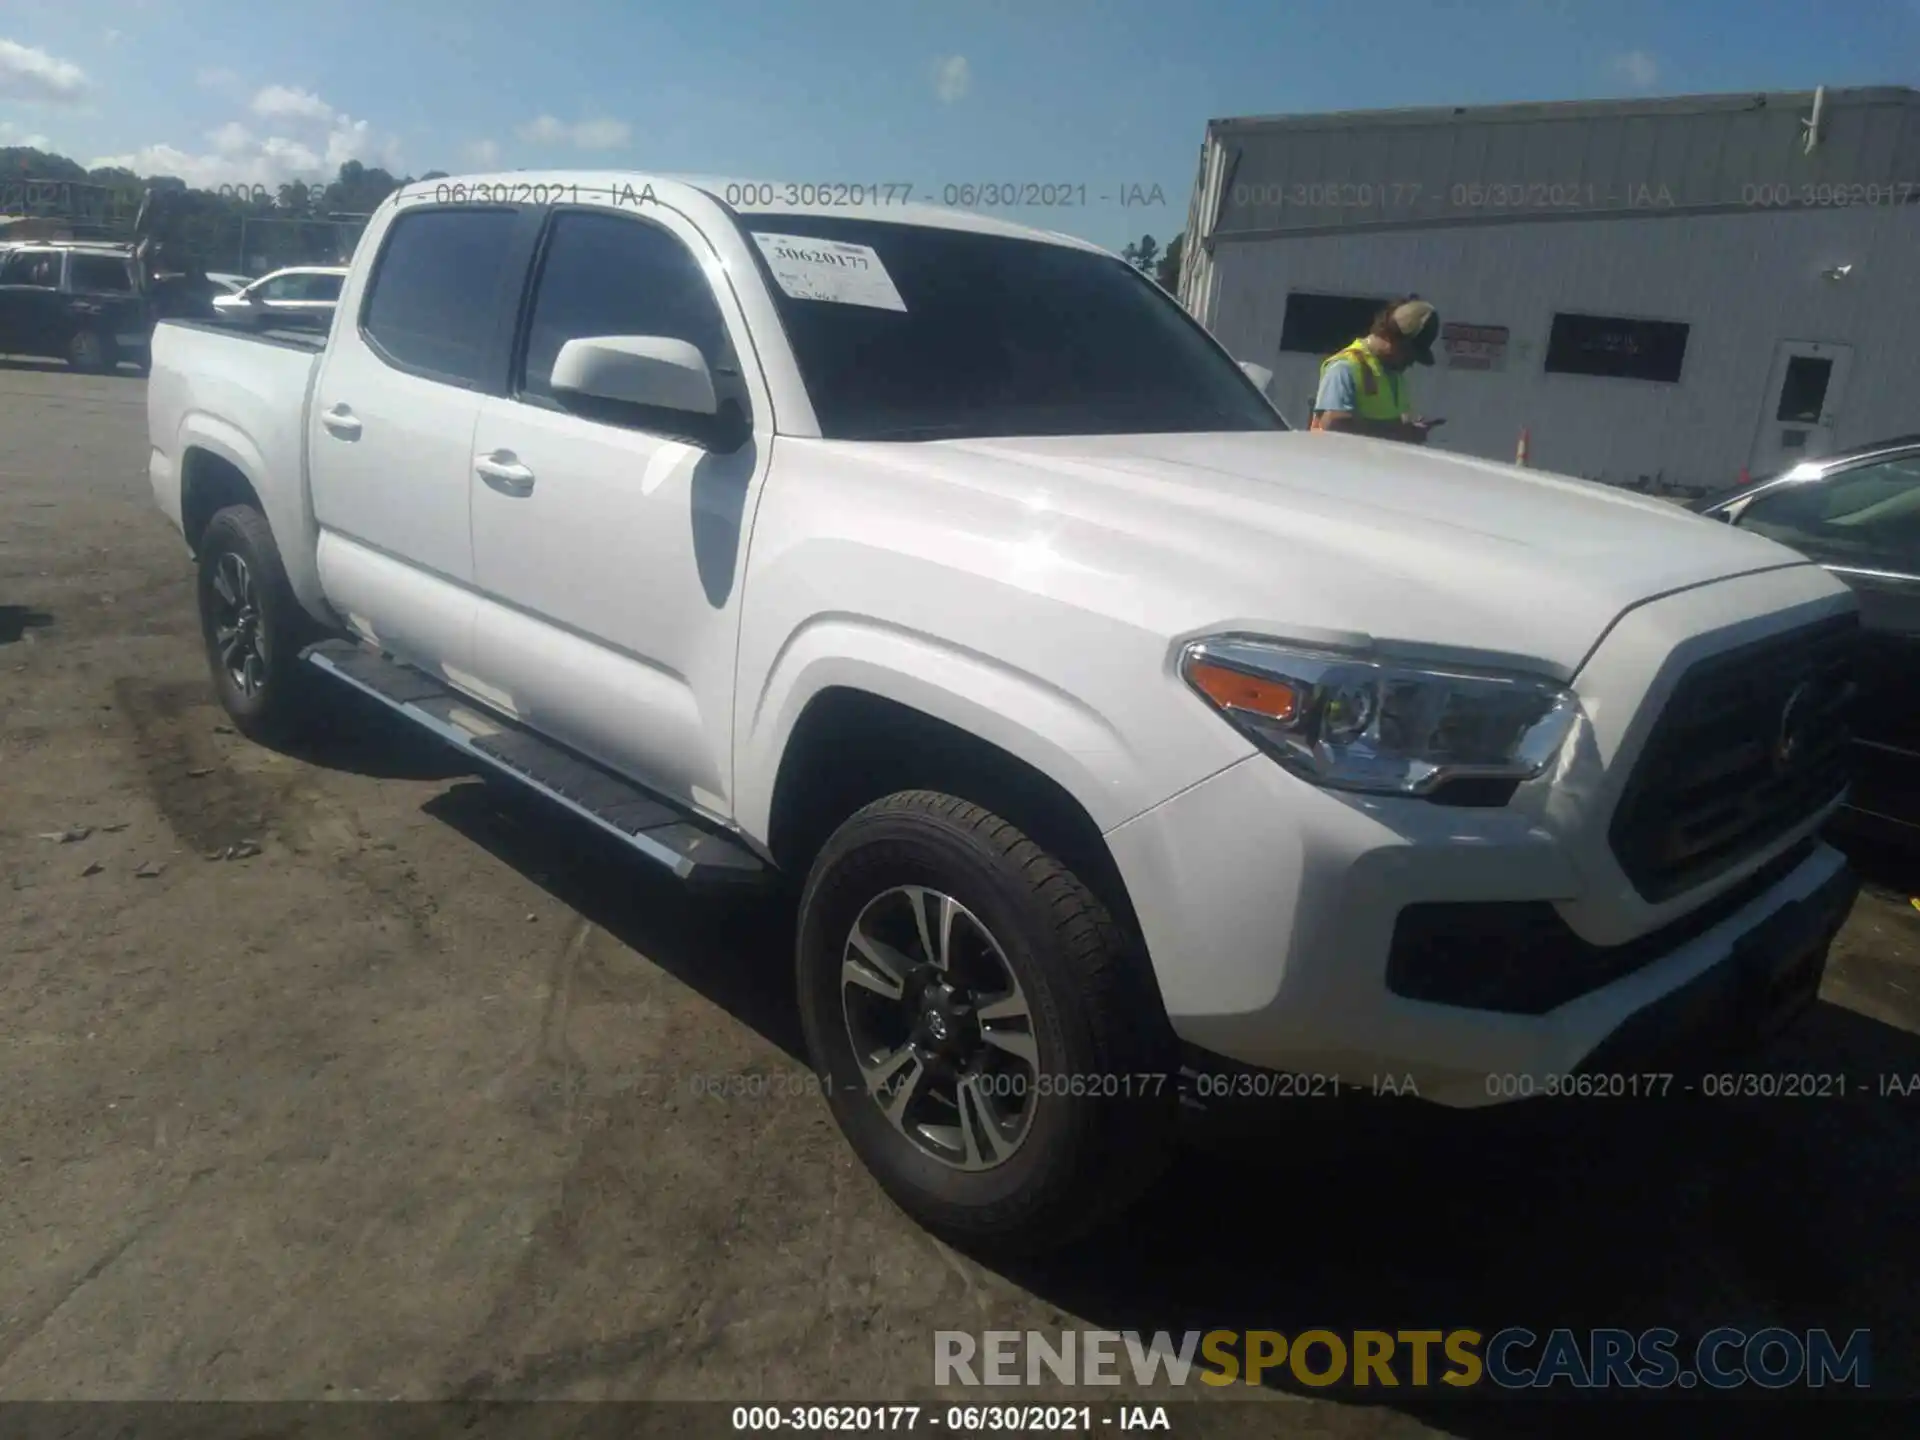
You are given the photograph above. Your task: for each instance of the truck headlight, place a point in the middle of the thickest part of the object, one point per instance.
(1379, 726)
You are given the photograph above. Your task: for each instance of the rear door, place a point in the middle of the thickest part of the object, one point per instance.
(390, 438)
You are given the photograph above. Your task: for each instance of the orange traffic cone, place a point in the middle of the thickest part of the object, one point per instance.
(1520, 455)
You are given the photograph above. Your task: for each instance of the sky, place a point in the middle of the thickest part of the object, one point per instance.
(1105, 100)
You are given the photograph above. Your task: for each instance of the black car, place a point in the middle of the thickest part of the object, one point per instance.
(78, 303)
(1858, 514)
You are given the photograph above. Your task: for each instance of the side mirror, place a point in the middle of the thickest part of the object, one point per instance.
(1259, 374)
(650, 370)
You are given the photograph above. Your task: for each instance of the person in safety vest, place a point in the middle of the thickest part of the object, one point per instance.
(1363, 388)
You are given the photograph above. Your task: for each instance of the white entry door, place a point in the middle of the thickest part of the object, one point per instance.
(1805, 390)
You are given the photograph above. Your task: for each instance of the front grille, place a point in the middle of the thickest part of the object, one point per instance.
(1714, 783)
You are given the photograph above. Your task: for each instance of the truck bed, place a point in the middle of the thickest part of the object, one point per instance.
(292, 337)
(239, 396)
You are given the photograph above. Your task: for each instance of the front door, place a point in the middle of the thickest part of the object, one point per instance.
(1802, 404)
(391, 429)
(609, 547)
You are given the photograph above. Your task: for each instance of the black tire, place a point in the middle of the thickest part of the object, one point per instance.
(1105, 1088)
(276, 701)
(92, 352)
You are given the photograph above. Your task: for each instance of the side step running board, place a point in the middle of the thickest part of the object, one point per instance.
(662, 833)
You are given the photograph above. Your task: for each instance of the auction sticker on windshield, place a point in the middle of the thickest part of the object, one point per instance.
(833, 270)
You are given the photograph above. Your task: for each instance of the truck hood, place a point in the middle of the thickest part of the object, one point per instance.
(1323, 537)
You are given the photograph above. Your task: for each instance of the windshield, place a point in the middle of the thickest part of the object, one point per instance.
(989, 335)
(1869, 516)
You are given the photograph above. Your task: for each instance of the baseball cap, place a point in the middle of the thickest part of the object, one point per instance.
(1419, 323)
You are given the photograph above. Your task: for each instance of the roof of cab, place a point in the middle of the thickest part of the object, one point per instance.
(718, 188)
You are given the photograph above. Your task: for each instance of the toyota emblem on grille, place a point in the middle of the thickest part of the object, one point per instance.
(1793, 715)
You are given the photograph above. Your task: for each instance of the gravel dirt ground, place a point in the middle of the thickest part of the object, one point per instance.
(341, 1075)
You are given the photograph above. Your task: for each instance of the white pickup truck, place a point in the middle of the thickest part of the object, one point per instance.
(1126, 746)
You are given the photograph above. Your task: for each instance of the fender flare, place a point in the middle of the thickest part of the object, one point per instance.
(1015, 711)
(288, 517)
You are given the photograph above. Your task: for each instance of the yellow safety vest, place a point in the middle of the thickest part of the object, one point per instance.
(1382, 392)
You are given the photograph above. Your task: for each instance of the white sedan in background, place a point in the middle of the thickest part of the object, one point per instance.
(302, 295)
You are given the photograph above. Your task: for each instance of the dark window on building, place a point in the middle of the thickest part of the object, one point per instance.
(436, 291)
(1623, 349)
(1322, 324)
(614, 275)
(1803, 394)
(99, 275)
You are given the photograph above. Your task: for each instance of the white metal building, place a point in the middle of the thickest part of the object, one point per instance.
(1661, 293)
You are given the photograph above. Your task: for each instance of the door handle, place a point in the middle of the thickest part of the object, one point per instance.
(340, 421)
(504, 473)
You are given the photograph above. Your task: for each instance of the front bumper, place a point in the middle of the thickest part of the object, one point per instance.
(1270, 910)
(1270, 907)
(1768, 981)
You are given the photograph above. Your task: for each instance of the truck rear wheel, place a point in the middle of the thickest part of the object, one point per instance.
(253, 626)
(975, 1016)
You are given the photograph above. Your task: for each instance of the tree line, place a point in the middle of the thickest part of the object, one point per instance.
(213, 229)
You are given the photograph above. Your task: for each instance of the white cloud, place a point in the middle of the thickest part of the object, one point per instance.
(601, 134)
(587, 135)
(29, 74)
(1636, 69)
(12, 134)
(283, 102)
(324, 140)
(232, 138)
(483, 153)
(114, 37)
(217, 77)
(952, 78)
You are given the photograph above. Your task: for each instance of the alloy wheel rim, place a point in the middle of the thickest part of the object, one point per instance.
(940, 1027)
(238, 635)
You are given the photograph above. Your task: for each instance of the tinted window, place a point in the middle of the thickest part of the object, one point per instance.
(100, 274)
(610, 275)
(1867, 517)
(280, 289)
(323, 287)
(1321, 324)
(31, 268)
(436, 290)
(1624, 349)
(1003, 336)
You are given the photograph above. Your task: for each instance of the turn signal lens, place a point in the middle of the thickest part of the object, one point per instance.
(1237, 690)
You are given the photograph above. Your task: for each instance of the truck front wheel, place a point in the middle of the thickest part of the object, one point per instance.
(976, 1018)
(253, 626)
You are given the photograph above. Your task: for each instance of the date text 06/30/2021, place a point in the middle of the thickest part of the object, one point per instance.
(1259, 1085)
(825, 195)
